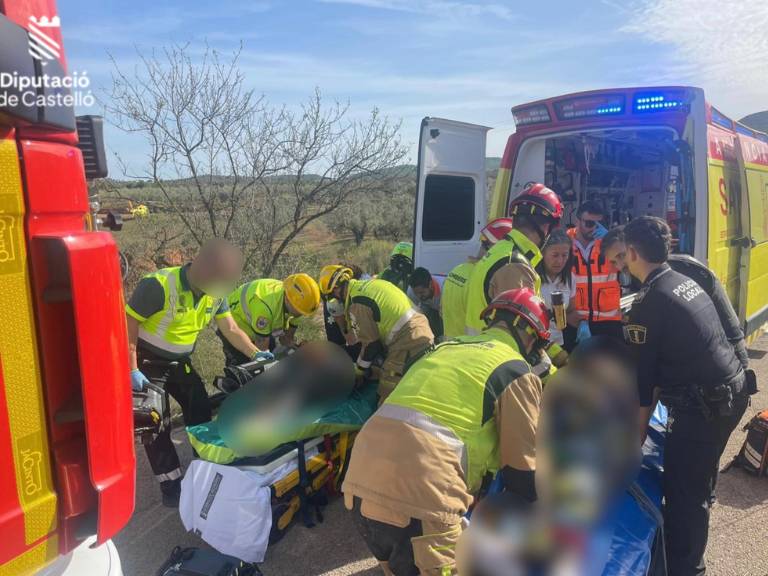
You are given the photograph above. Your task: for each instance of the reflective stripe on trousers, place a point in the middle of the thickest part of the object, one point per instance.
(172, 475)
(427, 424)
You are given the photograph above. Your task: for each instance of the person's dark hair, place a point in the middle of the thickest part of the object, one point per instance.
(650, 236)
(590, 206)
(420, 277)
(357, 272)
(556, 238)
(612, 236)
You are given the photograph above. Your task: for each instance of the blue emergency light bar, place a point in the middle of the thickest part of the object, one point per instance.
(592, 105)
(610, 110)
(657, 102)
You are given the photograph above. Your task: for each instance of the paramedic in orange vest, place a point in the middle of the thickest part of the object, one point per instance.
(597, 307)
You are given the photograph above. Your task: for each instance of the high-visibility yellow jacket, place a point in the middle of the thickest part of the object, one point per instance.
(509, 264)
(469, 407)
(390, 308)
(453, 304)
(258, 307)
(172, 331)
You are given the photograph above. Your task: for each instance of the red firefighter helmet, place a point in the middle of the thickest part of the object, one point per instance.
(537, 199)
(495, 230)
(524, 303)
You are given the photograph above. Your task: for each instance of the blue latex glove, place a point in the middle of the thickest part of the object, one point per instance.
(600, 231)
(583, 333)
(138, 380)
(263, 356)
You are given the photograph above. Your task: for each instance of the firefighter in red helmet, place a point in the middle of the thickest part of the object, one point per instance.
(468, 407)
(510, 263)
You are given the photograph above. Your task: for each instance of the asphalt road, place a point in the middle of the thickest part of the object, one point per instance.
(737, 546)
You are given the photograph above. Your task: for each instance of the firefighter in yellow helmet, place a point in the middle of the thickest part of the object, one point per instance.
(268, 311)
(384, 321)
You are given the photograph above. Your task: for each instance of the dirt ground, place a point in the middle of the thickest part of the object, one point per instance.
(737, 546)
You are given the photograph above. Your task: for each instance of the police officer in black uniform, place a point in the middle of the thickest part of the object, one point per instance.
(704, 277)
(685, 360)
(615, 250)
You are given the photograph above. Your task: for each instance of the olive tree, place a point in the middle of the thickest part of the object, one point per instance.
(229, 164)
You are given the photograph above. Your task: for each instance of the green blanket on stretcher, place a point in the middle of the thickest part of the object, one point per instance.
(347, 416)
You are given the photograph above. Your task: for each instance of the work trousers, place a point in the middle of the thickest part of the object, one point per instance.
(187, 388)
(412, 547)
(692, 451)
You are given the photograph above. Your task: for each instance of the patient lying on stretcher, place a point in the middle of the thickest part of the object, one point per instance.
(309, 393)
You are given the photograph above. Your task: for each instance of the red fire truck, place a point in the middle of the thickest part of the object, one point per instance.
(67, 463)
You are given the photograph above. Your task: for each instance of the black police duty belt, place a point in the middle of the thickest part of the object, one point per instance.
(708, 400)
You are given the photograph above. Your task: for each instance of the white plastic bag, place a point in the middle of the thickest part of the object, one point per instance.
(228, 508)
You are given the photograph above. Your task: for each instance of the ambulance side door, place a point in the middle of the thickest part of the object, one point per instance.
(753, 165)
(450, 194)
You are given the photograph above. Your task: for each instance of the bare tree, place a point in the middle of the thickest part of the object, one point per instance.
(230, 165)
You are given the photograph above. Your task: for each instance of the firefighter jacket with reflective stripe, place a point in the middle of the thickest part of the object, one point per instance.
(468, 407)
(453, 304)
(173, 330)
(509, 264)
(390, 307)
(258, 307)
(454, 388)
(597, 292)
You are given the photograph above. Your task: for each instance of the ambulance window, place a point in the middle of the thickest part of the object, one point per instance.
(449, 208)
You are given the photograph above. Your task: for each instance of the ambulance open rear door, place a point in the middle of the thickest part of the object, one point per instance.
(450, 193)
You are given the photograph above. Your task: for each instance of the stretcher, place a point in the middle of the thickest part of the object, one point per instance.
(240, 502)
(243, 507)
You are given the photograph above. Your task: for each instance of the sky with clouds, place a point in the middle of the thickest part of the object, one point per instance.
(468, 60)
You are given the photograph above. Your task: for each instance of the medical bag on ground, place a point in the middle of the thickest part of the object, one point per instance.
(198, 562)
(753, 456)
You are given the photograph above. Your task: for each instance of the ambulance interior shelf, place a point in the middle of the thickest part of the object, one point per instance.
(629, 172)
